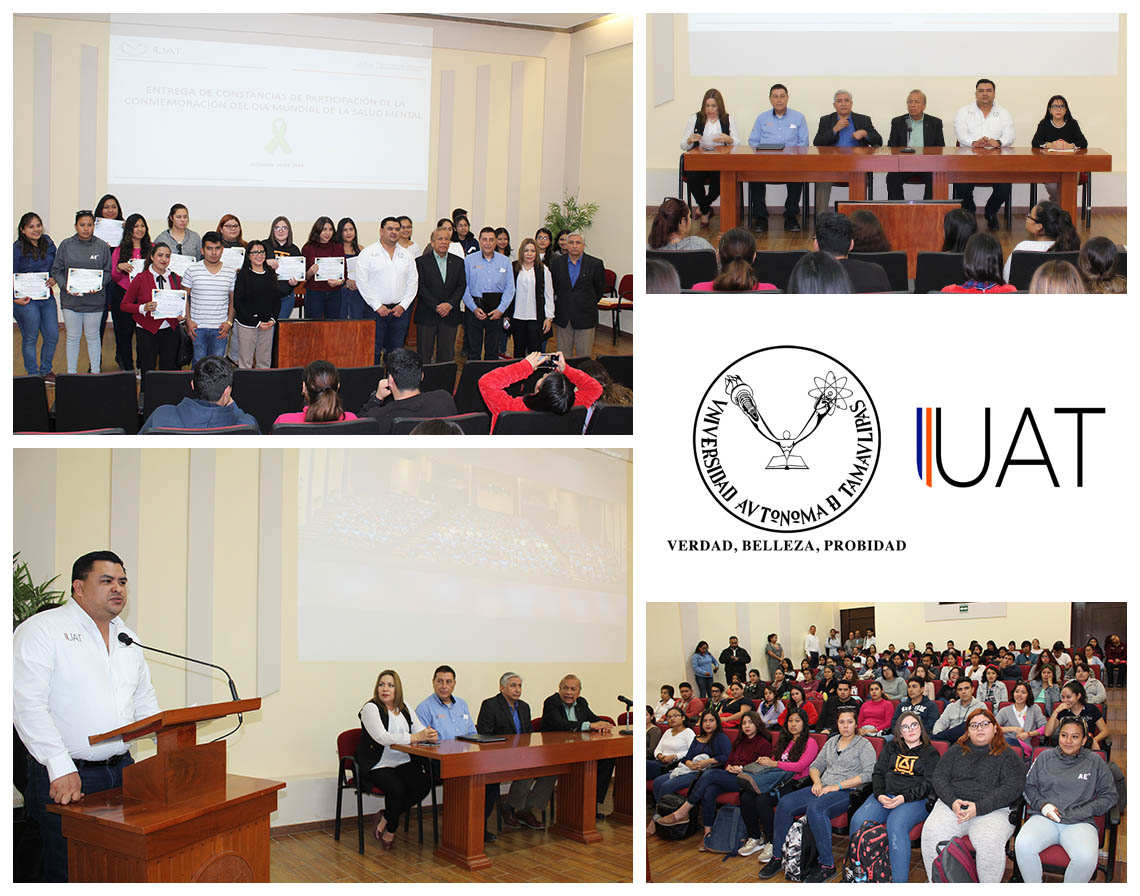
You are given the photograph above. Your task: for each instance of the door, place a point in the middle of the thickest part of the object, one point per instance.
(1097, 620)
(861, 618)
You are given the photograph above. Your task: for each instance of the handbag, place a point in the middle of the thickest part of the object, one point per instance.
(185, 353)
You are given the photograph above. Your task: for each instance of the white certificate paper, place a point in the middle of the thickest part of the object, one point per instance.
(83, 280)
(330, 269)
(31, 286)
(291, 267)
(171, 302)
(137, 266)
(233, 257)
(350, 264)
(109, 230)
(179, 264)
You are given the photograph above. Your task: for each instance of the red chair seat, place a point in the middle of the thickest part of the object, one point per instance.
(729, 799)
(1055, 857)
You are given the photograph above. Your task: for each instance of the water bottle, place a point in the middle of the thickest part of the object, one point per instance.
(860, 874)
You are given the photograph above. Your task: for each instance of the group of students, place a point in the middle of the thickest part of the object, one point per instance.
(959, 772)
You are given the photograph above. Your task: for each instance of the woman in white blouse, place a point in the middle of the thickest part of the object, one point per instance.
(711, 127)
(673, 746)
(532, 279)
(386, 720)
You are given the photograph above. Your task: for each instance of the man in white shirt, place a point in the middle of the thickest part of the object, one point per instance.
(983, 124)
(811, 647)
(386, 278)
(73, 678)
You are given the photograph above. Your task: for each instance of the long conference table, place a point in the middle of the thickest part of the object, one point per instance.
(571, 755)
(851, 164)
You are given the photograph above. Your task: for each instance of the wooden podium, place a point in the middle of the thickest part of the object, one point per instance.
(178, 815)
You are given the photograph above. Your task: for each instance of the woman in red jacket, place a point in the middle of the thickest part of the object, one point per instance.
(557, 391)
(157, 338)
(797, 699)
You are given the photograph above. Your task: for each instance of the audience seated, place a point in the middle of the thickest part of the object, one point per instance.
(736, 253)
(672, 746)
(708, 749)
(320, 391)
(210, 406)
(867, 233)
(834, 235)
(558, 390)
(958, 225)
(982, 263)
(1050, 229)
(398, 392)
(818, 272)
(1098, 265)
(436, 427)
(661, 278)
(1057, 277)
(671, 228)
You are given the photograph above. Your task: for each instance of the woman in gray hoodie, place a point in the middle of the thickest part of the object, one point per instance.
(1067, 787)
(82, 311)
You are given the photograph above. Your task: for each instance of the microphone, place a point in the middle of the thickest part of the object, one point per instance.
(628, 708)
(741, 394)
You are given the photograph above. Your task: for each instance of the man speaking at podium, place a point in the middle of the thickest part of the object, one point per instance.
(72, 678)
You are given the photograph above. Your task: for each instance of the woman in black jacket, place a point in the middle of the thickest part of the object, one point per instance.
(257, 302)
(1058, 130)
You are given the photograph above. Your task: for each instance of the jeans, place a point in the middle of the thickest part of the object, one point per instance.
(664, 784)
(1080, 841)
(286, 307)
(391, 331)
(83, 323)
(704, 686)
(899, 822)
(321, 304)
(819, 811)
(713, 782)
(34, 318)
(352, 305)
(208, 342)
(94, 780)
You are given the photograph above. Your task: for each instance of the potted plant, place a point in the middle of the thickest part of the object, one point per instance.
(28, 598)
(570, 216)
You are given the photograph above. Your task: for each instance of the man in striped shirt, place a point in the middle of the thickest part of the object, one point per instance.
(211, 300)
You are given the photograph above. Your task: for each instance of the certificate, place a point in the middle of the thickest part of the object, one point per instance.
(233, 257)
(31, 286)
(291, 267)
(170, 302)
(137, 266)
(179, 264)
(330, 268)
(350, 264)
(109, 230)
(84, 280)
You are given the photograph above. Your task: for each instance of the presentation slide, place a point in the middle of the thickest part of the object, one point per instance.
(256, 125)
(464, 556)
(983, 44)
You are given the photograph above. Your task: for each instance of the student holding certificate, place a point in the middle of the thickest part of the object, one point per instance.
(127, 260)
(322, 296)
(157, 336)
(180, 238)
(33, 254)
(257, 300)
(230, 228)
(83, 268)
(108, 228)
(280, 244)
(352, 304)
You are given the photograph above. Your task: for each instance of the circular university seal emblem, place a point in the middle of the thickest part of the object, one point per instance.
(786, 439)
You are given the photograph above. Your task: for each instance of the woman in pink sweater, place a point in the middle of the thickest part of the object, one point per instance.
(875, 714)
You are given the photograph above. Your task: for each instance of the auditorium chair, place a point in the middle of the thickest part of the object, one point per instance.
(1121, 261)
(164, 387)
(439, 376)
(611, 282)
(362, 426)
(240, 429)
(776, 267)
(29, 405)
(1084, 180)
(348, 778)
(619, 367)
(467, 397)
(96, 401)
(935, 270)
(477, 424)
(357, 383)
(894, 263)
(692, 267)
(611, 420)
(1023, 265)
(540, 423)
(622, 300)
(267, 394)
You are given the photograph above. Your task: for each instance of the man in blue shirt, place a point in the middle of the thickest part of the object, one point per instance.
(490, 289)
(778, 125)
(209, 406)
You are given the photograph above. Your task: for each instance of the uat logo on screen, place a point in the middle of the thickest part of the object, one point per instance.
(786, 439)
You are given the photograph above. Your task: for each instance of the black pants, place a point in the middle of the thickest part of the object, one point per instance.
(1001, 195)
(157, 351)
(705, 187)
(482, 337)
(758, 210)
(403, 785)
(1114, 674)
(895, 183)
(123, 324)
(758, 812)
(438, 338)
(605, 775)
(527, 335)
(813, 658)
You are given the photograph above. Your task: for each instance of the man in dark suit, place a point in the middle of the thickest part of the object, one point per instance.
(399, 395)
(567, 711)
(439, 302)
(916, 129)
(842, 128)
(579, 281)
(506, 713)
(834, 236)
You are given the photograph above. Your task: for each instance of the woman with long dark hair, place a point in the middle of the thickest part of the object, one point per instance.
(982, 262)
(818, 272)
(1023, 718)
(34, 253)
(322, 297)
(710, 127)
(1058, 130)
(157, 338)
(257, 302)
(543, 238)
(556, 391)
(1050, 230)
(736, 252)
(135, 247)
(1098, 264)
(670, 230)
(958, 225)
(867, 232)
(1074, 702)
(797, 699)
(709, 749)
(279, 244)
(467, 241)
(321, 393)
(352, 304)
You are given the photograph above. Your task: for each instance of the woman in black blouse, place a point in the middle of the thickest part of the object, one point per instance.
(1058, 130)
(257, 302)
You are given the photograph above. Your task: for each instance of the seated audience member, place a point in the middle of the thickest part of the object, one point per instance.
(842, 128)
(320, 392)
(976, 781)
(1098, 266)
(437, 427)
(385, 720)
(1007, 669)
(892, 682)
(653, 734)
(1058, 130)
(918, 703)
(686, 700)
(790, 760)
(736, 707)
(672, 746)
(568, 710)
(780, 684)
(670, 230)
(916, 129)
(209, 405)
(983, 124)
(1067, 787)
(875, 713)
(844, 762)
(975, 671)
(1115, 661)
(1050, 229)
(1074, 702)
(949, 690)
(982, 264)
(398, 393)
(867, 233)
(556, 391)
(1091, 655)
(666, 704)
(1048, 691)
(828, 682)
(507, 713)
(1058, 278)
(736, 253)
(1094, 690)
(797, 699)
(845, 698)
(771, 708)
(833, 235)
(1023, 718)
(717, 700)
(709, 749)
(157, 338)
(613, 393)
(902, 783)
(990, 689)
(951, 725)
(754, 689)
(710, 127)
(806, 673)
(1044, 658)
(752, 743)
(1061, 657)
(819, 273)
(661, 278)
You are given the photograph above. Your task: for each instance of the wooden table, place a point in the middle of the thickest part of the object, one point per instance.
(850, 164)
(573, 756)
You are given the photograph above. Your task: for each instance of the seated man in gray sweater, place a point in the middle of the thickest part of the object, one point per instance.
(951, 725)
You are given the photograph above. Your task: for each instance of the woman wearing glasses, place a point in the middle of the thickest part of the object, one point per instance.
(1058, 130)
(257, 302)
(976, 782)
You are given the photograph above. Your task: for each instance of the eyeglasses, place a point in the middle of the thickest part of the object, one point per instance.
(1031, 218)
(256, 251)
(1058, 106)
(980, 726)
(912, 726)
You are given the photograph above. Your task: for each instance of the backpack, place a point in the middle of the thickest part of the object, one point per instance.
(727, 833)
(955, 863)
(799, 853)
(870, 849)
(667, 805)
